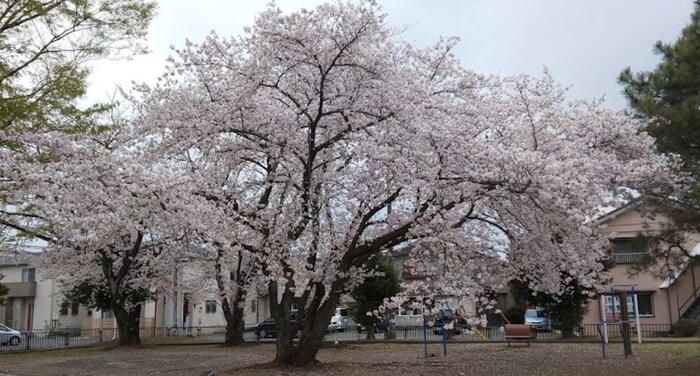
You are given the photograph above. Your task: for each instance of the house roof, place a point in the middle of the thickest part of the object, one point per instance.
(17, 259)
(635, 203)
(619, 211)
(668, 282)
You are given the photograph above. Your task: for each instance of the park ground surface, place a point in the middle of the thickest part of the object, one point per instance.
(366, 359)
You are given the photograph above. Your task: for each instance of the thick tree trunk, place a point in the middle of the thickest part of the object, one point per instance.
(232, 306)
(299, 354)
(128, 322)
(302, 352)
(234, 323)
(370, 332)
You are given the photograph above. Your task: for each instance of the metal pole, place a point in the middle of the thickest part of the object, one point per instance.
(425, 333)
(625, 324)
(612, 293)
(604, 334)
(636, 315)
(175, 300)
(162, 321)
(444, 342)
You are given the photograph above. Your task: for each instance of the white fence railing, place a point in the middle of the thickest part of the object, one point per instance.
(629, 258)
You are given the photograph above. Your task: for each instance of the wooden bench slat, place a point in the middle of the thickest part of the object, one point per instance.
(517, 332)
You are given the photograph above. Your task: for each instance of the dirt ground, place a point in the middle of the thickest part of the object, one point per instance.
(371, 359)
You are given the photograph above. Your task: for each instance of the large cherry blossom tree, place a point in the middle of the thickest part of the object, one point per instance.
(210, 168)
(112, 220)
(334, 141)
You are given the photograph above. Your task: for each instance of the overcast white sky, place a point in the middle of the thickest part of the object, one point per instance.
(585, 44)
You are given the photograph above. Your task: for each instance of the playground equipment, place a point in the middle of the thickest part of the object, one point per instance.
(425, 335)
(623, 322)
(445, 332)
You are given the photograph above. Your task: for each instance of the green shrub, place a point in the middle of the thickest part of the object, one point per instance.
(686, 328)
(516, 315)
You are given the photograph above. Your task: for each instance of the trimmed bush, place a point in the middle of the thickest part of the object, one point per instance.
(686, 328)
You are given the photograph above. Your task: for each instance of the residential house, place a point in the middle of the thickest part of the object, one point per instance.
(659, 300)
(201, 310)
(32, 303)
(422, 271)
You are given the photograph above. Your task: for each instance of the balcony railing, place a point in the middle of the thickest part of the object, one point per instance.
(21, 289)
(629, 258)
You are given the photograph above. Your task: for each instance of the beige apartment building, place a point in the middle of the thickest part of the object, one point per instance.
(659, 300)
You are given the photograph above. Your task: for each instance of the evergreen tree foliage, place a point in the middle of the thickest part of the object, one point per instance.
(565, 311)
(3, 290)
(95, 294)
(669, 98)
(372, 292)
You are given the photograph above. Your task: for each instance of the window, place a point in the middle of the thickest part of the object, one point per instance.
(645, 302)
(631, 250)
(64, 308)
(74, 308)
(630, 245)
(28, 275)
(253, 305)
(210, 306)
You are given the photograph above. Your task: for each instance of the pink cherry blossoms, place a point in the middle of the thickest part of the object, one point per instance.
(318, 139)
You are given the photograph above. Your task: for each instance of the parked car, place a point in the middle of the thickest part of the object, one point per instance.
(9, 336)
(268, 328)
(379, 326)
(447, 316)
(340, 320)
(537, 319)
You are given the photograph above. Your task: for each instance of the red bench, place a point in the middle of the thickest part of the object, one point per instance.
(517, 332)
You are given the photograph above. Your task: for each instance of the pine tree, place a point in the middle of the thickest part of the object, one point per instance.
(668, 97)
(3, 291)
(371, 293)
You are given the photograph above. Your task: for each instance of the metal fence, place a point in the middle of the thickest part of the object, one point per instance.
(216, 334)
(613, 330)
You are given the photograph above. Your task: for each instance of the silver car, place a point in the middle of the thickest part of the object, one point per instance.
(340, 320)
(9, 336)
(537, 319)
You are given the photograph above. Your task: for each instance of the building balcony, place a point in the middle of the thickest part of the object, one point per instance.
(21, 289)
(629, 258)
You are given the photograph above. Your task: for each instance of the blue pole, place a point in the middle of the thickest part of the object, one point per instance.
(425, 335)
(602, 338)
(444, 342)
